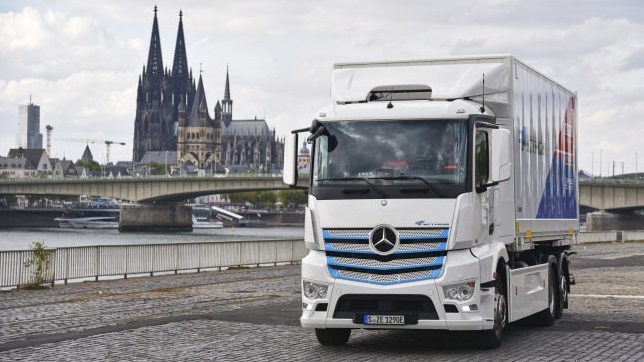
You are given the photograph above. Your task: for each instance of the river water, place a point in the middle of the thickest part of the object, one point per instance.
(22, 238)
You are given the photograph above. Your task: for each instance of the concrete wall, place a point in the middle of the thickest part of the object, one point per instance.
(29, 218)
(155, 217)
(605, 221)
(610, 236)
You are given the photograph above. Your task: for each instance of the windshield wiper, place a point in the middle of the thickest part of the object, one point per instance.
(411, 178)
(371, 186)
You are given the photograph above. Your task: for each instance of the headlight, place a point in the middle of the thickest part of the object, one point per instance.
(461, 292)
(314, 290)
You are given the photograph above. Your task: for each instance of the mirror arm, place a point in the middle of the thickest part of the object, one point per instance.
(483, 187)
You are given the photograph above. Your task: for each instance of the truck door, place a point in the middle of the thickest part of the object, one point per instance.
(484, 194)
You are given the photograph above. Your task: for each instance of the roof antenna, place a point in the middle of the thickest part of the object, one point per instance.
(391, 95)
(483, 103)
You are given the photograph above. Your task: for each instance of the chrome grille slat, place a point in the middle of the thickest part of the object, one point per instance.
(380, 264)
(403, 246)
(401, 277)
(349, 233)
(350, 247)
(362, 233)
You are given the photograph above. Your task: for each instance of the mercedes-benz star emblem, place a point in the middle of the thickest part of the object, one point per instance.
(383, 239)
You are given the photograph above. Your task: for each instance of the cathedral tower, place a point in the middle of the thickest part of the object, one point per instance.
(159, 94)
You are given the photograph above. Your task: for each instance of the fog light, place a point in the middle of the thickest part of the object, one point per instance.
(470, 308)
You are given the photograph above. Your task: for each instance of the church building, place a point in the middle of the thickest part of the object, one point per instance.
(172, 115)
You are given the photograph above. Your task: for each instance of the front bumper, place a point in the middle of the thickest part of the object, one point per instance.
(424, 302)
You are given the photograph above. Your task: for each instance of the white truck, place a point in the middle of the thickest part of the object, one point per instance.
(442, 195)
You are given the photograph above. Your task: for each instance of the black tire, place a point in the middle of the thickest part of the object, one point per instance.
(547, 316)
(333, 336)
(562, 296)
(492, 338)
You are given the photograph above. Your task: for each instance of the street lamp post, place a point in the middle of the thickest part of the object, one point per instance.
(636, 175)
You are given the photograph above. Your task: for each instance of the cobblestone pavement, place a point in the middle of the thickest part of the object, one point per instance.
(252, 314)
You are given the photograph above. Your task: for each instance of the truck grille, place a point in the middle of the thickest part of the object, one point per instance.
(420, 255)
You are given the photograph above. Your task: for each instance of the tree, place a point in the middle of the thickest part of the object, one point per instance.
(90, 165)
(292, 197)
(266, 199)
(256, 198)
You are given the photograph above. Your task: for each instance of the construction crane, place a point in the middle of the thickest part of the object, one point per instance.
(88, 141)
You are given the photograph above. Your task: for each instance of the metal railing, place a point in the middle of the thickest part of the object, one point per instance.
(71, 263)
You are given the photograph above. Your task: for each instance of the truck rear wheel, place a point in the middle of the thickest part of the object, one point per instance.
(491, 339)
(333, 336)
(562, 296)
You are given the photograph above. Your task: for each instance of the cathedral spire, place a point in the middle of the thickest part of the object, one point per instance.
(155, 59)
(227, 104)
(180, 63)
(227, 90)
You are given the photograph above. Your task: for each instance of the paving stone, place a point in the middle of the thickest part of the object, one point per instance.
(194, 317)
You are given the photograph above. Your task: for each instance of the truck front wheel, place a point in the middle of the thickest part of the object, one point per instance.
(491, 339)
(332, 336)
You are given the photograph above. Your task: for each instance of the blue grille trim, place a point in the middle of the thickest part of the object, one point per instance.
(350, 243)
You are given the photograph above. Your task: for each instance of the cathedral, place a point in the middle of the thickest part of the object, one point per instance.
(172, 115)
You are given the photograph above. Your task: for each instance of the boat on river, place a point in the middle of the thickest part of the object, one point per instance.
(202, 218)
(90, 218)
(107, 217)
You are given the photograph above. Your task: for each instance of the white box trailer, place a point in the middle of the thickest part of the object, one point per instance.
(442, 195)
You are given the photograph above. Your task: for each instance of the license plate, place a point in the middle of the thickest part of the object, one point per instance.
(384, 319)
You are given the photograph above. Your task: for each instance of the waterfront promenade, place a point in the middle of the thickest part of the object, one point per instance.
(251, 314)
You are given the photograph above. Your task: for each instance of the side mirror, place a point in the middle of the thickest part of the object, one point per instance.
(289, 173)
(501, 155)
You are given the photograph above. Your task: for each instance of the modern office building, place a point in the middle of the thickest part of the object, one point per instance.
(29, 136)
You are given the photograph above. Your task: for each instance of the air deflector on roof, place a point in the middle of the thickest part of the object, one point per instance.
(400, 92)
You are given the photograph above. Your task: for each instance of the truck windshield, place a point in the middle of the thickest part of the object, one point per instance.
(412, 158)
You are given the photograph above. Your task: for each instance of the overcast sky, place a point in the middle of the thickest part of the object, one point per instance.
(80, 60)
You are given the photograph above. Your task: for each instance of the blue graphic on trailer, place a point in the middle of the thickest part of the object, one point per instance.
(559, 199)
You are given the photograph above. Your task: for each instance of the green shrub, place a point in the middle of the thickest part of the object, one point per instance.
(41, 259)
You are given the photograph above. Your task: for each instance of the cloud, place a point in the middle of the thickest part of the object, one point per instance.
(81, 60)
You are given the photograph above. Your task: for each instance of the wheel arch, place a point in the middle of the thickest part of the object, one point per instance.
(490, 256)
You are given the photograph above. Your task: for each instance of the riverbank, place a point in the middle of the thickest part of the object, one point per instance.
(29, 218)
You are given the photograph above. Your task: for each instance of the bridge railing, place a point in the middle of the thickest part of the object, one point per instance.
(612, 182)
(185, 176)
(124, 260)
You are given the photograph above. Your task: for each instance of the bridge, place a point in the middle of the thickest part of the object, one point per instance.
(611, 195)
(157, 200)
(600, 194)
(145, 190)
